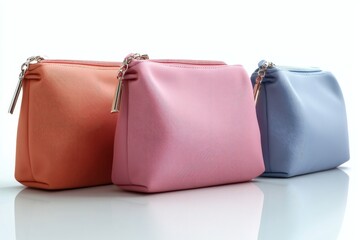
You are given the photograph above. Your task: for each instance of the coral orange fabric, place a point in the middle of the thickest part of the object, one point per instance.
(66, 132)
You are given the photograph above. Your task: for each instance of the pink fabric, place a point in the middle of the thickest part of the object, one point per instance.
(186, 125)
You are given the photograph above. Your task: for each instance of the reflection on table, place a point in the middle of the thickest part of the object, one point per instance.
(224, 212)
(305, 207)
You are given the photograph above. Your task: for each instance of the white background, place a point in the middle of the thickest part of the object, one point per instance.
(302, 33)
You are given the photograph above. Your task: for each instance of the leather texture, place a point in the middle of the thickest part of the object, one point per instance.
(302, 120)
(65, 132)
(185, 124)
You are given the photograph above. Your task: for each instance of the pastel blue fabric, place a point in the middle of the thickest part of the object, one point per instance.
(302, 120)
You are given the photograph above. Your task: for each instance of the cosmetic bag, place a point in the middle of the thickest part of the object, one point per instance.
(184, 124)
(65, 132)
(302, 119)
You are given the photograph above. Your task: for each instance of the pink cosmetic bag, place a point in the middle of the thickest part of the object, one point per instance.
(184, 124)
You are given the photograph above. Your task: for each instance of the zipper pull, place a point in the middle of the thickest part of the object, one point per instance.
(263, 67)
(24, 68)
(121, 74)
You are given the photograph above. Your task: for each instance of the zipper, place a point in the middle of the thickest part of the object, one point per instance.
(123, 68)
(37, 59)
(130, 58)
(121, 74)
(263, 67)
(298, 69)
(24, 69)
(188, 62)
(83, 62)
(118, 64)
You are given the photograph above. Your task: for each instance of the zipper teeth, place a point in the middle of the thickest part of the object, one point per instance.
(83, 62)
(300, 69)
(117, 64)
(187, 61)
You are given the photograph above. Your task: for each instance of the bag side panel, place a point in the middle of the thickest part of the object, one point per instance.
(191, 127)
(70, 128)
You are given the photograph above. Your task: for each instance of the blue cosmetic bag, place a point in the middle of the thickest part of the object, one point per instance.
(302, 119)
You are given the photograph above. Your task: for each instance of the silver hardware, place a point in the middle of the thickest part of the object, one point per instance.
(121, 74)
(24, 68)
(263, 67)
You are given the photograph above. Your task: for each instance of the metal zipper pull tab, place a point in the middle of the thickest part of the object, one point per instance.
(24, 68)
(263, 67)
(121, 74)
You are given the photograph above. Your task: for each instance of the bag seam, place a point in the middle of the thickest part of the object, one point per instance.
(299, 72)
(82, 66)
(198, 67)
(267, 129)
(127, 133)
(213, 67)
(36, 182)
(27, 132)
(132, 185)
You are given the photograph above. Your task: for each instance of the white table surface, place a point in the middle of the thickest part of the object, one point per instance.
(316, 206)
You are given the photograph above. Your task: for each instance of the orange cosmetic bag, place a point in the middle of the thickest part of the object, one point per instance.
(65, 132)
